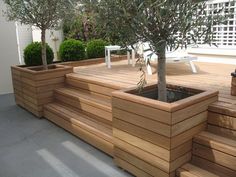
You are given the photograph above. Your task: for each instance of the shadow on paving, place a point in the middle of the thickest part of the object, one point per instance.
(32, 147)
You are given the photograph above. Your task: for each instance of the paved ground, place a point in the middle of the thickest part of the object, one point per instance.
(30, 147)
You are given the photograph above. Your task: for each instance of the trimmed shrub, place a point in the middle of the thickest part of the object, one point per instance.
(33, 54)
(72, 50)
(96, 48)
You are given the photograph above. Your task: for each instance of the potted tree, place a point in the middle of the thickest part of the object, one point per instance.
(149, 127)
(33, 86)
(233, 83)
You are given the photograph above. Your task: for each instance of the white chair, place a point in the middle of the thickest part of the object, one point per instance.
(110, 48)
(178, 56)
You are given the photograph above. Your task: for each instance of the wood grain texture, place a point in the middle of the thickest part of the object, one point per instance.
(34, 88)
(87, 136)
(215, 156)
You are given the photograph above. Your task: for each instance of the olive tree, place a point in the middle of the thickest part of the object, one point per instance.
(165, 24)
(44, 14)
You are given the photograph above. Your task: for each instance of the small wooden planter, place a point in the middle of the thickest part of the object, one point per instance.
(233, 86)
(153, 138)
(33, 87)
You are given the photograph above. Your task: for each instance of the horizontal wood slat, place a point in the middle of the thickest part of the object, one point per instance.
(215, 156)
(35, 88)
(91, 138)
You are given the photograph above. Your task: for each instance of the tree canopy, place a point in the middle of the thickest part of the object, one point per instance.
(165, 24)
(44, 14)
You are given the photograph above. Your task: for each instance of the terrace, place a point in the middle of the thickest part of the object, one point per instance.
(72, 116)
(83, 107)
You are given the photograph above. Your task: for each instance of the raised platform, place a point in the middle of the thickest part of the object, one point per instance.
(84, 108)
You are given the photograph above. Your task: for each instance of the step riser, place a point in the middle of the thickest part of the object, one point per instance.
(91, 87)
(213, 167)
(88, 136)
(86, 108)
(220, 122)
(214, 156)
(220, 130)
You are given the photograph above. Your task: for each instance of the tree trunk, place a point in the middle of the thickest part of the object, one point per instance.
(161, 75)
(44, 54)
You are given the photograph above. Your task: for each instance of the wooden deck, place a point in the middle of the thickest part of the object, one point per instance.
(139, 136)
(210, 76)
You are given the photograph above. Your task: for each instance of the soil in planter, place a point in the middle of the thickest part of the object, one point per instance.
(173, 94)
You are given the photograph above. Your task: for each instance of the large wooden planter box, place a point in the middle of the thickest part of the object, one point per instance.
(153, 138)
(33, 87)
(233, 86)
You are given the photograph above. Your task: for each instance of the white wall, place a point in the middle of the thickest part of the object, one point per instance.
(24, 34)
(8, 51)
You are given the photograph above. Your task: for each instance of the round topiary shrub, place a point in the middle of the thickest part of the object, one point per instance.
(72, 50)
(96, 48)
(33, 54)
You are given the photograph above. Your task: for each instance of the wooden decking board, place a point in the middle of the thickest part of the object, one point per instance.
(91, 138)
(92, 100)
(148, 168)
(190, 170)
(187, 135)
(105, 114)
(101, 90)
(152, 113)
(80, 121)
(101, 82)
(131, 168)
(223, 108)
(212, 167)
(220, 120)
(155, 126)
(215, 156)
(75, 114)
(142, 144)
(147, 135)
(137, 150)
(217, 142)
(209, 76)
(220, 130)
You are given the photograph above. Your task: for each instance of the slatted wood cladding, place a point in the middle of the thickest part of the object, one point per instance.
(157, 133)
(33, 87)
(138, 154)
(233, 86)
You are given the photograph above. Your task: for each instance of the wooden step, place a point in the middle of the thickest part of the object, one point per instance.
(221, 123)
(216, 148)
(223, 108)
(86, 102)
(92, 84)
(190, 170)
(212, 167)
(88, 129)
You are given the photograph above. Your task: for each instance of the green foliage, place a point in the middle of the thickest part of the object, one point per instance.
(40, 13)
(96, 48)
(166, 24)
(72, 50)
(33, 55)
(44, 14)
(83, 26)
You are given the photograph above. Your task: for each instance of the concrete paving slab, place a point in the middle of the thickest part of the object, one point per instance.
(32, 147)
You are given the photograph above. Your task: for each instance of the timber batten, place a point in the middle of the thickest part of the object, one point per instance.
(34, 87)
(155, 142)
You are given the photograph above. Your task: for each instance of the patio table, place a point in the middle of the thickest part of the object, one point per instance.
(110, 48)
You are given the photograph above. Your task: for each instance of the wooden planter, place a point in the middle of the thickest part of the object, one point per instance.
(33, 87)
(233, 86)
(153, 138)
